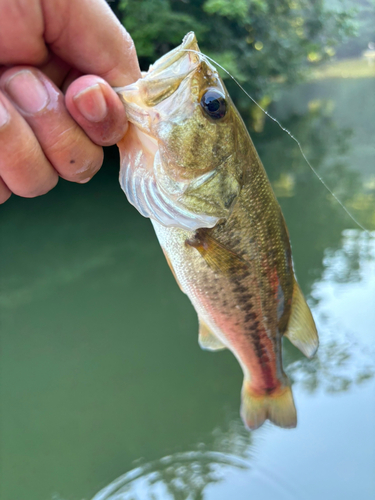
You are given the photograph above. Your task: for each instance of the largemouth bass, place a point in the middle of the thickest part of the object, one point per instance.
(188, 163)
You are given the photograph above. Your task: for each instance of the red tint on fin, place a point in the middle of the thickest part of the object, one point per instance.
(277, 407)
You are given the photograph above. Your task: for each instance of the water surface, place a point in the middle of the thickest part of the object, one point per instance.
(102, 382)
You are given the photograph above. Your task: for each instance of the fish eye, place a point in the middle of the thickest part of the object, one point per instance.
(213, 104)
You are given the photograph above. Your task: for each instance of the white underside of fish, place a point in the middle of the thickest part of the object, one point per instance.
(138, 179)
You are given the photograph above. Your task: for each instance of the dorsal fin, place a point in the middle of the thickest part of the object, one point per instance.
(207, 339)
(301, 330)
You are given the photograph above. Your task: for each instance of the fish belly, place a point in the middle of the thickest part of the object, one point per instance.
(229, 308)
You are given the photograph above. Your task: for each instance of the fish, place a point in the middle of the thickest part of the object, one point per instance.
(189, 165)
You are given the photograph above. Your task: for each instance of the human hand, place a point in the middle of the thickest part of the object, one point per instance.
(45, 47)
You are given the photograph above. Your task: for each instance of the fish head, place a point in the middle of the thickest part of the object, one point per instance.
(185, 118)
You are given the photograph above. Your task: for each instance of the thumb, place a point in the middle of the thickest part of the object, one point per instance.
(87, 35)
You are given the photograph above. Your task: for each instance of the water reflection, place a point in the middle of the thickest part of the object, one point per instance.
(345, 359)
(336, 368)
(341, 156)
(181, 476)
(349, 263)
(190, 475)
(100, 363)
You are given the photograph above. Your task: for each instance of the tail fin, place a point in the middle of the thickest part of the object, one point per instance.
(277, 407)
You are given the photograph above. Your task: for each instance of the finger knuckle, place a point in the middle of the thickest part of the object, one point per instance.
(5, 194)
(27, 172)
(33, 54)
(74, 156)
(31, 189)
(127, 38)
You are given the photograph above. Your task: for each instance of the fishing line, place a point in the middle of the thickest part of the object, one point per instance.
(290, 135)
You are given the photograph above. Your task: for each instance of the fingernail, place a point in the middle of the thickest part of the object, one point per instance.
(92, 104)
(85, 180)
(27, 91)
(4, 116)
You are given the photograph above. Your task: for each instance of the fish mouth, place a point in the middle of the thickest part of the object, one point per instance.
(146, 103)
(161, 81)
(181, 58)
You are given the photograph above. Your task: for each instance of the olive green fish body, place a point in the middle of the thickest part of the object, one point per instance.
(245, 302)
(188, 164)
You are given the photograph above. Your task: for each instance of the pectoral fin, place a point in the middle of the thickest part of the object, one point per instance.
(217, 256)
(207, 339)
(301, 330)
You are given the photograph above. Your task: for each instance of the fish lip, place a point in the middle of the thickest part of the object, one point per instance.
(162, 80)
(146, 104)
(189, 43)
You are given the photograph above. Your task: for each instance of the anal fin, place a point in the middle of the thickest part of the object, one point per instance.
(301, 330)
(207, 339)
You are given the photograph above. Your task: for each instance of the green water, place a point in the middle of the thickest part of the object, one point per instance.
(101, 374)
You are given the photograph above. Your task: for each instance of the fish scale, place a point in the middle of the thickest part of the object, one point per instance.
(218, 222)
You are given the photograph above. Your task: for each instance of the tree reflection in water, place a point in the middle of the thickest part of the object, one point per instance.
(344, 358)
(183, 476)
(342, 361)
(314, 218)
(339, 259)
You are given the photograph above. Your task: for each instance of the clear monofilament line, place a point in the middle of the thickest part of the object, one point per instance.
(290, 135)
